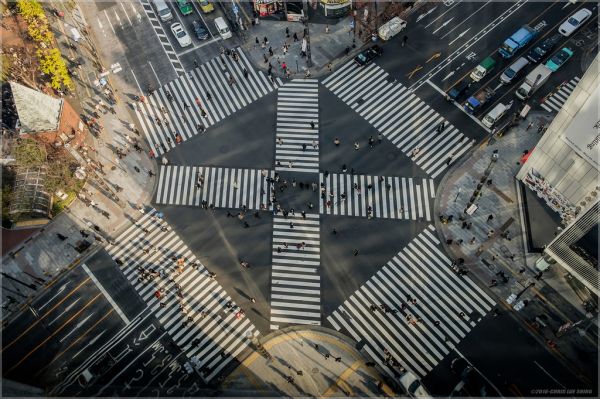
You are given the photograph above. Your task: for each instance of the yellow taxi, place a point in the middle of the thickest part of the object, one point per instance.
(206, 6)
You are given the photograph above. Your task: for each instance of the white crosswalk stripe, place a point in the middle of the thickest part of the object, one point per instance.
(190, 105)
(388, 197)
(221, 187)
(194, 306)
(162, 36)
(407, 121)
(295, 273)
(297, 141)
(556, 100)
(421, 334)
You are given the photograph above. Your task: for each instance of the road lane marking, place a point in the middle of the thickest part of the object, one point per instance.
(106, 295)
(45, 314)
(64, 311)
(52, 335)
(61, 289)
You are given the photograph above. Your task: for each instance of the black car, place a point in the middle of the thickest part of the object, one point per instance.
(200, 31)
(459, 90)
(368, 55)
(539, 51)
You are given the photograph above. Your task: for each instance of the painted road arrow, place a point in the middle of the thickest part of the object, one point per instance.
(459, 36)
(444, 24)
(425, 14)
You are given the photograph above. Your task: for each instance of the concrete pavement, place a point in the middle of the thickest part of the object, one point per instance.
(306, 361)
(488, 255)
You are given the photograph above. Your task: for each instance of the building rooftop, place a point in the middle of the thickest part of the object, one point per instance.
(37, 112)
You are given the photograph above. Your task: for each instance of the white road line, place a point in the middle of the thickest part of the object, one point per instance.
(108, 297)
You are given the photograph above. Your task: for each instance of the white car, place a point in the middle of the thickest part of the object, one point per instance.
(182, 36)
(574, 22)
(413, 386)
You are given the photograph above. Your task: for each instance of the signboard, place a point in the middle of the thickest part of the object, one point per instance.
(583, 133)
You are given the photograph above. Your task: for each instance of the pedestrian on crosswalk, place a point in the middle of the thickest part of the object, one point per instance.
(312, 124)
(303, 147)
(245, 72)
(291, 225)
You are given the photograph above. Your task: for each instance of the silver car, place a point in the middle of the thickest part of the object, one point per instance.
(182, 36)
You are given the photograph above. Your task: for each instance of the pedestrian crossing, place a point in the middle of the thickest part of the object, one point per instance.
(297, 145)
(191, 306)
(417, 335)
(201, 98)
(376, 196)
(556, 100)
(399, 115)
(214, 187)
(295, 272)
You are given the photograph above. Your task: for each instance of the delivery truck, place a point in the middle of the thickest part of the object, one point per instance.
(534, 80)
(391, 28)
(475, 102)
(516, 41)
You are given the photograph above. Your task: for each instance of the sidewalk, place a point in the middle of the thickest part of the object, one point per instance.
(548, 302)
(44, 256)
(296, 367)
(325, 47)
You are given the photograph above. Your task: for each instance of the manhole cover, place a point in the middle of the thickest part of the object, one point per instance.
(315, 370)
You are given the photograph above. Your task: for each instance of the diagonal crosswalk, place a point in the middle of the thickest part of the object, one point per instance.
(376, 196)
(192, 307)
(556, 100)
(297, 147)
(203, 97)
(295, 272)
(399, 115)
(214, 186)
(419, 334)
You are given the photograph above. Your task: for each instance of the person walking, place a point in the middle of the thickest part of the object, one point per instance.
(355, 252)
(312, 124)
(336, 141)
(490, 218)
(287, 32)
(270, 51)
(295, 37)
(356, 146)
(404, 40)
(245, 72)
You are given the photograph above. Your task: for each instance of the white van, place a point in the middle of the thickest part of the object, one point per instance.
(222, 28)
(495, 114)
(391, 28)
(163, 10)
(512, 71)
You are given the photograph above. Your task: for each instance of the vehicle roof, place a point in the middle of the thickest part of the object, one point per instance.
(488, 62)
(521, 33)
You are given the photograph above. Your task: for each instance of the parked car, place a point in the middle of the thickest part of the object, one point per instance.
(185, 7)
(459, 90)
(367, 56)
(543, 48)
(182, 36)
(559, 59)
(513, 70)
(206, 6)
(574, 22)
(199, 30)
